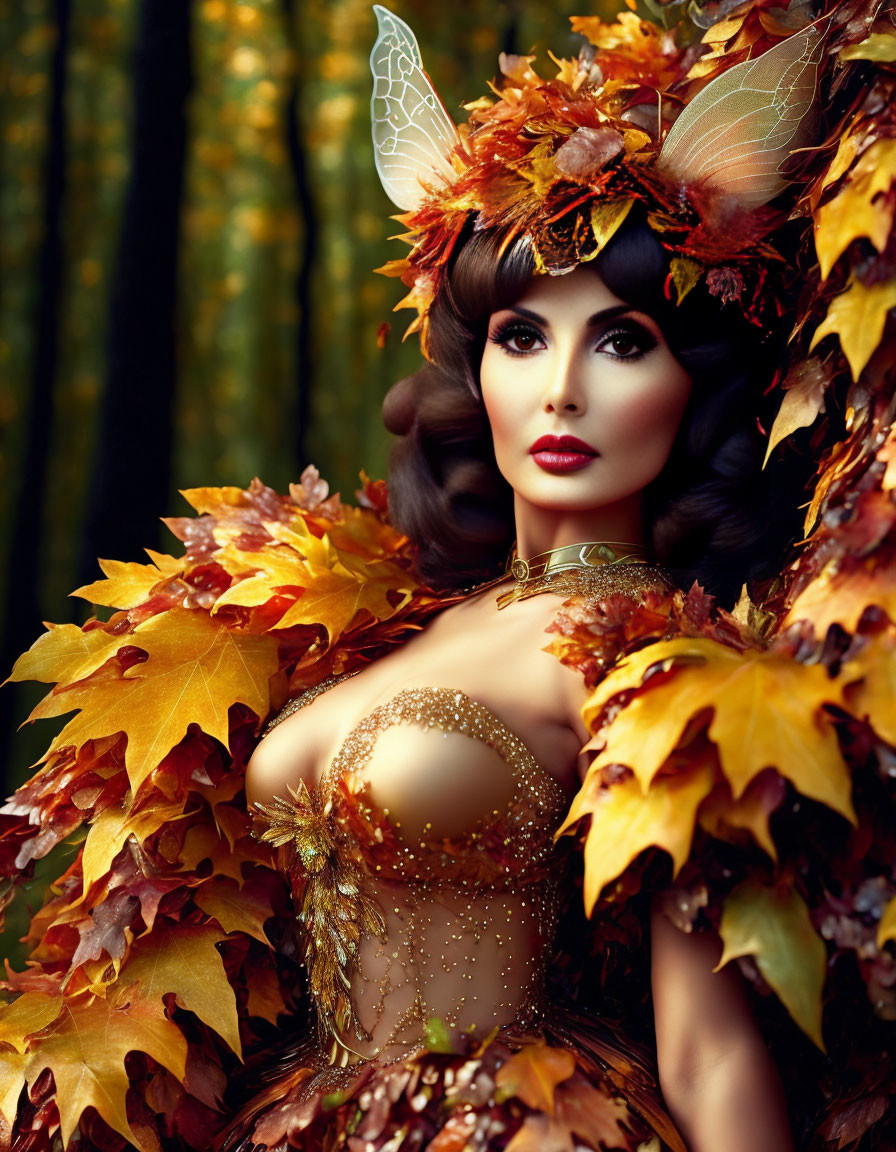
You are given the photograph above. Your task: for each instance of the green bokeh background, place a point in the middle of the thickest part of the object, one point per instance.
(189, 217)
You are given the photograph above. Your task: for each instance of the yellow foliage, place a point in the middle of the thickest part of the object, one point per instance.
(857, 316)
(765, 713)
(127, 585)
(773, 927)
(196, 670)
(860, 208)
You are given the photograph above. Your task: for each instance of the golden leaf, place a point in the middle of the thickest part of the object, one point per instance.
(539, 1133)
(86, 1051)
(749, 814)
(195, 671)
(185, 961)
(235, 910)
(857, 317)
(803, 401)
(860, 208)
(773, 926)
(624, 821)
(533, 1074)
(111, 829)
(872, 679)
(887, 927)
(766, 713)
(880, 47)
(606, 218)
(66, 653)
(265, 997)
(127, 584)
(685, 275)
(841, 597)
(30, 1013)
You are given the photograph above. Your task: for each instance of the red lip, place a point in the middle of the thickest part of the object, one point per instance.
(562, 453)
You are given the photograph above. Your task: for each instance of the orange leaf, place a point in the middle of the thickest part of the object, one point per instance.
(624, 821)
(185, 961)
(766, 713)
(873, 672)
(842, 597)
(265, 997)
(541, 1134)
(591, 1114)
(196, 670)
(111, 829)
(533, 1073)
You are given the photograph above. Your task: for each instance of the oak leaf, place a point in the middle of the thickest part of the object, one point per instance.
(624, 821)
(857, 317)
(86, 1050)
(766, 713)
(533, 1074)
(773, 926)
(128, 584)
(183, 960)
(196, 669)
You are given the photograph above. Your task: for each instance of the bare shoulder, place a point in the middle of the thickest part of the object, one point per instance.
(277, 764)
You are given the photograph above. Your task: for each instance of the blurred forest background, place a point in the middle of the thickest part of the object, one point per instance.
(189, 217)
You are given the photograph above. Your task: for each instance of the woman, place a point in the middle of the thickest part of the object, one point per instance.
(434, 906)
(583, 400)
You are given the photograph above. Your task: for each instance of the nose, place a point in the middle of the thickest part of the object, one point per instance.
(563, 390)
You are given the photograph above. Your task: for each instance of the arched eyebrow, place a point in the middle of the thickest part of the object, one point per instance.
(592, 322)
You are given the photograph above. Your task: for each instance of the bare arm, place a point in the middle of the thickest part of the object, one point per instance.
(718, 1079)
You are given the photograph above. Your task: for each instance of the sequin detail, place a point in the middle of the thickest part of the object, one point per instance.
(399, 932)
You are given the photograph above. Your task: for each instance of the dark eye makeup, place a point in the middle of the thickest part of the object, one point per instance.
(627, 339)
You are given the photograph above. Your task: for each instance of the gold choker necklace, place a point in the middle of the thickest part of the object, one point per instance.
(593, 569)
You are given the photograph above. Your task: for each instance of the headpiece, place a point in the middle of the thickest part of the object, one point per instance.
(561, 162)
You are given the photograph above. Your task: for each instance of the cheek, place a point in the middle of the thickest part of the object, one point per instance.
(647, 420)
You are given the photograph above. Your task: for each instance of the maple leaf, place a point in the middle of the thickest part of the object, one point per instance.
(86, 1050)
(860, 208)
(624, 821)
(750, 813)
(66, 653)
(129, 584)
(857, 316)
(766, 713)
(195, 671)
(110, 831)
(29, 1013)
(841, 597)
(533, 1074)
(183, 959)
(872, 679)
(592, 1114)
(235, 909)
(265, 995)
(773, 926)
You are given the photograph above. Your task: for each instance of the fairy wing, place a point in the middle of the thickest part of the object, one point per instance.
(737, 132)
(413, 135)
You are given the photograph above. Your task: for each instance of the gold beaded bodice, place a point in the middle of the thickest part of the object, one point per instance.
(408, 930)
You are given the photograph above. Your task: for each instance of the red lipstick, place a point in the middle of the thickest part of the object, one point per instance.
(562, 453)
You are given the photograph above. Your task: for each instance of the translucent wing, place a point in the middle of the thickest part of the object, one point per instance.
(413, 135)
(736, 133)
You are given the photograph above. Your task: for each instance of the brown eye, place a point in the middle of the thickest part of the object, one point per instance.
(622, 344)
(525, 341)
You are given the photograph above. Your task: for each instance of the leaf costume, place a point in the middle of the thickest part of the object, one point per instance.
(743, 763)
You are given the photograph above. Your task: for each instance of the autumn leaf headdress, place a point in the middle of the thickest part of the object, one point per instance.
(562, 161)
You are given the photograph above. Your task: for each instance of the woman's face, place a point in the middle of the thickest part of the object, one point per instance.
(583, 395)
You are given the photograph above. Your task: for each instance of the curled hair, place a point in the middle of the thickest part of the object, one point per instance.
(705, 513)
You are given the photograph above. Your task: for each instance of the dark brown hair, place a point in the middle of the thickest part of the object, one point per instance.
(705, 513)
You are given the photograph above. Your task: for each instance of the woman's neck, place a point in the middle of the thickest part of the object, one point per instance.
(541, 529)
